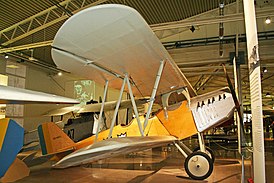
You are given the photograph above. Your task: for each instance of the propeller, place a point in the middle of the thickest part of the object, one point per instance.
(237, 104)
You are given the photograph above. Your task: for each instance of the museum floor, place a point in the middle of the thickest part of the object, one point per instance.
(158, 165)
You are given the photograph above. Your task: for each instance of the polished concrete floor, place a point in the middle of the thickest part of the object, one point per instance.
(163, 164)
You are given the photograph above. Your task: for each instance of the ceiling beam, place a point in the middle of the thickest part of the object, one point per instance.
(208, 21)
(204, 73)
(26, 46)
(17, 32)
(191, 69)
(201, 62)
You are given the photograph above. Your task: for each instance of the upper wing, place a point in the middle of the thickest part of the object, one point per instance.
(112, 147)
(11, 95)
(107, 41)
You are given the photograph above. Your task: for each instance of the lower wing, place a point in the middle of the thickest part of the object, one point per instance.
(112, 147)
(95, 107)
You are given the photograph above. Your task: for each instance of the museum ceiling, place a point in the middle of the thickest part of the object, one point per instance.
(188, 29)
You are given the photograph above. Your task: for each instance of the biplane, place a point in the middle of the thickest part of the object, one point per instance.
(113, 45)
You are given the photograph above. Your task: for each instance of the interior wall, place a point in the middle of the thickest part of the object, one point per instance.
(41, 81)
(60, 85)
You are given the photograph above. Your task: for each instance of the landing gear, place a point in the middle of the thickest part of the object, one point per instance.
(208, 151)
(198, 165)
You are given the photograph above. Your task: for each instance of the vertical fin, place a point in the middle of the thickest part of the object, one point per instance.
(53, 139)
(4, 126)
(11, 142)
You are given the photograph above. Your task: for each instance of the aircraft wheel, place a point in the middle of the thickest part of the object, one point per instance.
(198, 165)
(208, 151)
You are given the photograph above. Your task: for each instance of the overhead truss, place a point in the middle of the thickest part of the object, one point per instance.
(43, 20)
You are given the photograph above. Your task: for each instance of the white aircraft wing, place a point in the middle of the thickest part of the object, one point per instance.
(11, 95)
(111, 105)
(95, 107)
(62, 111)
(105, 42)
(112, 147)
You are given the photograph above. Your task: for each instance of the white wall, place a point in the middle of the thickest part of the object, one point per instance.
(41, 81)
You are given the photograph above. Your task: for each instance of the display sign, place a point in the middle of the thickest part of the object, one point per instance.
(255, 92)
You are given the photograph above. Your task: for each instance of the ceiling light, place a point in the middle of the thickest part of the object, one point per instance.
(267, 20)
(59, 73)
(267, 94)
(264, 69)
(6, 56)
(11, 66)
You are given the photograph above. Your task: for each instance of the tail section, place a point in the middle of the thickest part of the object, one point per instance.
(11, 142)
(53, 140)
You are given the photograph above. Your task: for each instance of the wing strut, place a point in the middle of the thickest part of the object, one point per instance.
(101, 110)
(116, 108)
(152, 97)
(134, 105)
(125, 80)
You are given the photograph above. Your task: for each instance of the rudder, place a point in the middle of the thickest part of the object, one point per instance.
(53, 139)
(11, 142)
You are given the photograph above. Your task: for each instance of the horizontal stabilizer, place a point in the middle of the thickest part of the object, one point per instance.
(112, 147)
(12, 95)
(11, 141)
(33, 158)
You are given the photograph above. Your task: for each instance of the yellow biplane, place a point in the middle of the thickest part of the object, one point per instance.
(113, 45)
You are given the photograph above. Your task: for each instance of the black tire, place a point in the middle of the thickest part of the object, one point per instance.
(198, 165)
(209, 152)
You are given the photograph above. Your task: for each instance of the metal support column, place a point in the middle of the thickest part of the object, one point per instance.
(101, 110)
(134, 106)
(201, 141)
(152, 97)
(116, 108)
(255, 91)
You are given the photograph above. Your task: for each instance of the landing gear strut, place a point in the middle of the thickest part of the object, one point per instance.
(199, 162)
